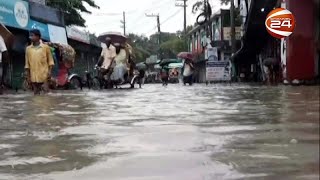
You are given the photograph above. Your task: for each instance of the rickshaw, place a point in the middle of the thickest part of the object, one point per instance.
(164, 64)
(174, 73)
(64, 57)
(131, 76)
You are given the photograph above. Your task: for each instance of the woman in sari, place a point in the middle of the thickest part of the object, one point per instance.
(121, 64)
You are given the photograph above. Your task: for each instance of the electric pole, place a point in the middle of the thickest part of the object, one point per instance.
(233, 30)
(159, 31)
(184, 5)
(158, 25)
(123, 22)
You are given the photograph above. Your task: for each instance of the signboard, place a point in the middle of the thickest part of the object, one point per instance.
(212, 54)
(78, 35)
(227, 33)
(218, 71)
(57, 34)
(14, 13)
(43, 28)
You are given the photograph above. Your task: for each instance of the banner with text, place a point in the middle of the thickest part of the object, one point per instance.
(218, 71)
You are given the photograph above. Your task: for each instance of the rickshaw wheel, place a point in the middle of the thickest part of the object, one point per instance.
(96, 84)
(75, 83)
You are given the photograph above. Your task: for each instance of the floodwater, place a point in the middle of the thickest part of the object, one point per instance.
(162, 133)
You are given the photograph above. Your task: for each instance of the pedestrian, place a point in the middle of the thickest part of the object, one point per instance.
(4, 61)
(271, 69)
(188, 69)
(121, 64)
(164, 76)
(39, 62)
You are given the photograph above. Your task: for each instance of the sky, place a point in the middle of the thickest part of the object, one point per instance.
(108, 17)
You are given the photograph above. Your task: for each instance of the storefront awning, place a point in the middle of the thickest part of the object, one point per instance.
(256, 35)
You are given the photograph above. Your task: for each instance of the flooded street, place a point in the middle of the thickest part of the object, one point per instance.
(162, 133)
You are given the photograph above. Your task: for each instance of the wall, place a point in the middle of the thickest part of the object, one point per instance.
(301, 44)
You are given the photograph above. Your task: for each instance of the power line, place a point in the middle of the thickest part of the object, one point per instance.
(166, 20)
(151, 8)
(184, 5)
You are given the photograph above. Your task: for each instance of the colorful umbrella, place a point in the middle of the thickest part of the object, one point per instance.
(185, 55)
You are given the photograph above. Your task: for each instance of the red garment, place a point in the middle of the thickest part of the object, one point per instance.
(62, 75)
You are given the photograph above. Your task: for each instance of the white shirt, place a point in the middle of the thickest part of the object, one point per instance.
(187, 70)
(108, 54)
(3, 47)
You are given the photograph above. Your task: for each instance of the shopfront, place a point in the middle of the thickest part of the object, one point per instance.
(86, 52)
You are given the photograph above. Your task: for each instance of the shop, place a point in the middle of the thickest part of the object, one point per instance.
(15, 16)
(87, 50)
(298, 54)
(200, 42)
(21, 16)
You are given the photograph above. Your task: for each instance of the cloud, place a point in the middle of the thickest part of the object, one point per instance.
(108, 17)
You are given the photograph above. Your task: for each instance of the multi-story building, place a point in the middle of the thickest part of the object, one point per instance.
(218, 37)
(298, 54)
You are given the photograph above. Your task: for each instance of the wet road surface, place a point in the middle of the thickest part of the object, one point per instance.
(158, 133)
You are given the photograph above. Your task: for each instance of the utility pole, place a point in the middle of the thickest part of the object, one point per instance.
(184, 5)
(159, 30)
(233, 30)
(123, 22)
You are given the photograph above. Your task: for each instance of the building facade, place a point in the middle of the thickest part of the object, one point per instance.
(298, 54)
(215, 33)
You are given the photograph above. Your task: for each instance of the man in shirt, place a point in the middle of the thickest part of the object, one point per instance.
(106, 61)
(39, 62)
(4, 61)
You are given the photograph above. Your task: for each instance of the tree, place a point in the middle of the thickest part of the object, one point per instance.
(172, 47)
(72, 9)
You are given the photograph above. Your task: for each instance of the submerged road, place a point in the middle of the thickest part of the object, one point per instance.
(162, 133)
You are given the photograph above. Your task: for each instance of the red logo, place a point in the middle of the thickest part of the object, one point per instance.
(280, 23)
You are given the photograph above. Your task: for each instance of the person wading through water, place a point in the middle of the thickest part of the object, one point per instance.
(39, 62)
(4, 62)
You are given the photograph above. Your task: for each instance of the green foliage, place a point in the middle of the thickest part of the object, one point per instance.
(72, 9)
(171, 48)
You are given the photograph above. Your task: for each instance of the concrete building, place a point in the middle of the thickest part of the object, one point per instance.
(199, 41)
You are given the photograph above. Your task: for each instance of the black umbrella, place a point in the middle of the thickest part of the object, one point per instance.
(270, 61)
(115, 37)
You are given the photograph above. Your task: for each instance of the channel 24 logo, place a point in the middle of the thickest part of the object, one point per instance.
(280, 23)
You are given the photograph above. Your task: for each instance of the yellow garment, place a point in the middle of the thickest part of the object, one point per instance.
(38, 60)
(121, 58)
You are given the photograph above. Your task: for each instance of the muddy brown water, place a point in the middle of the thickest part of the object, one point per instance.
(162, 133)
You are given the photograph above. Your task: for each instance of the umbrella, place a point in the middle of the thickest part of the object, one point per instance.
(175, 65)
(116, 37)
(185, 55)
(141, 66)
(6, 35)
(270, 61)
(165, 62)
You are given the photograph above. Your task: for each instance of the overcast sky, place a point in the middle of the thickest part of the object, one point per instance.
(108, 17)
